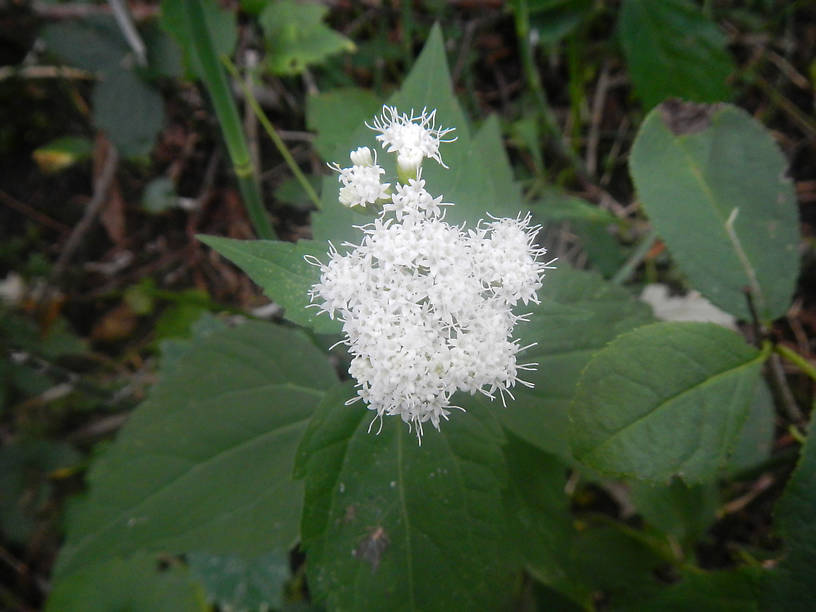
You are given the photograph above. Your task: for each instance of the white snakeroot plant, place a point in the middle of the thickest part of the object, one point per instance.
(426, 306)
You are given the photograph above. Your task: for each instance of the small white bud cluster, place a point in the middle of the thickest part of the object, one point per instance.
(426, 306)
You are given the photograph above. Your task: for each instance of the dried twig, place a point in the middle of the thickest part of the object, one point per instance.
(101, 188)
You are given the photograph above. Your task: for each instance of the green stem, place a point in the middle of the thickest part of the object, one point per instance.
(218, 87)
(796, 359)
(547, 116)
(273, 134)
(622, 275)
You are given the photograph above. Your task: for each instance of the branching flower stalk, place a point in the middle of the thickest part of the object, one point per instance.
(426, 307)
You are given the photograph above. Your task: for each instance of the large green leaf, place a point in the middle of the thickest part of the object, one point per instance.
(539, 518)
(390, 525)
(135, 584)
(283, 274)
(205, 462)
(673, 50)
(693, 166)
(721, 591)
(790, 586)
(666, 399)
(579, 313)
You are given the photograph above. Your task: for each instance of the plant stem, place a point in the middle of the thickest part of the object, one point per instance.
(273, 134)
(217, 85)
(547, 116)
(622, 275)
(796, 359)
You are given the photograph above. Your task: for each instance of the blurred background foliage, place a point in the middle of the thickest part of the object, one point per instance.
(113, 158)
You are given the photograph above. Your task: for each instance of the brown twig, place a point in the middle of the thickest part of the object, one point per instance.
(78, 10)
(101, 188)
(34, 214)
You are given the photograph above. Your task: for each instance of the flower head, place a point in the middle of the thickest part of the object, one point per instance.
(426, 307)
(412, 137)
(361, 182)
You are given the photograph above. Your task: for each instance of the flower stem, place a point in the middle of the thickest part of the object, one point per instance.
(218, 87)
(803, 364)
(273, 134)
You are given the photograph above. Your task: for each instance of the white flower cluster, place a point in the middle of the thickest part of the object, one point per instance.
(426, 306)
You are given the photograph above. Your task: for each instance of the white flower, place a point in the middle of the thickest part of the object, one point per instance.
(411, 137)
(426, 307)
(361, 183)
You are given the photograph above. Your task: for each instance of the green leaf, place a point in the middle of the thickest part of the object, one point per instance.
(388, 524)
(291, 192)
(666, 399)
(579, 313)
(283, 274)
(337, 113)
(615, 562)
(552, 20)
(538, 515)
(693, 166)
(62, 153)
(129, 111)
(94, 44)
(721, 591)
(296, 36)
(220, 23)
(672, 49)
(681, 511)
(205, 462)
(790, 585)
(236, 583)
(135, 584)
(756, 439)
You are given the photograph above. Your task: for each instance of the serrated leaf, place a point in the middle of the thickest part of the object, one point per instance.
(667, 399)
(136, 583)
(296, 36)
(672, 49)
(693, 166)
(205, 462)
(388, 524)
(790, 585)
(129, 111)
(221, 25)
(579, 313)
(283, 274)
